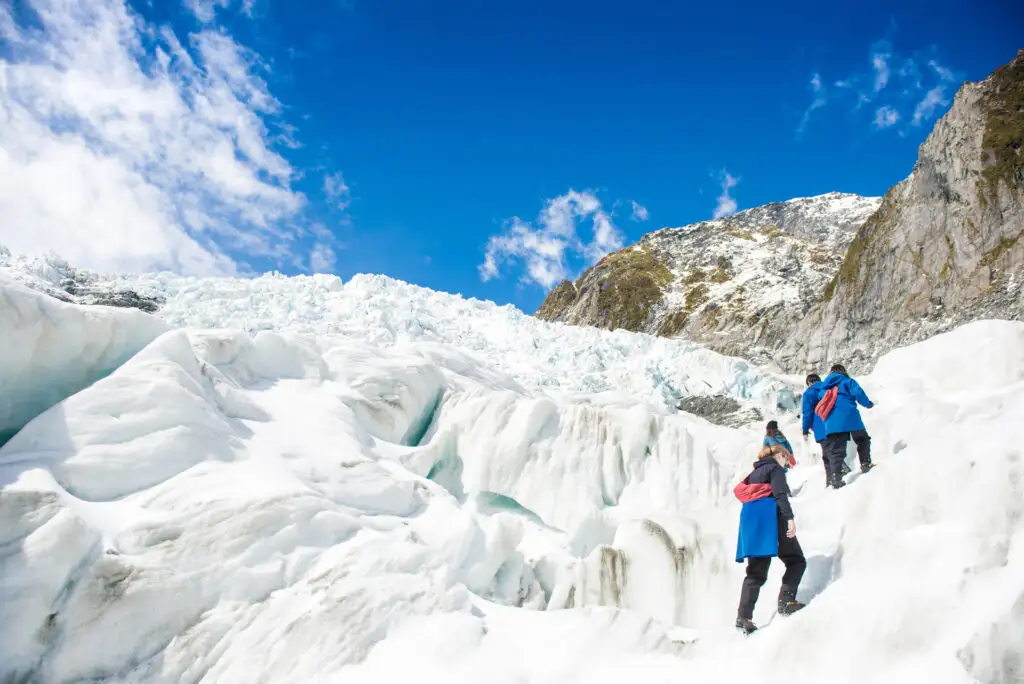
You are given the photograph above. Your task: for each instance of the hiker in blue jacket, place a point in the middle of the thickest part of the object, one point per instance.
(773, 437)
(843, 422)
(767, 529)
(811, 421)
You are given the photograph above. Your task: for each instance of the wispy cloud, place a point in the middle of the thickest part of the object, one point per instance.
(322, 259)
(819, 100)
(546, 248)
(886, 116)
(337, 191)
(640, 213)
(944, 73)
(125, 149)
(206, 10)
(925, 109)
(901, 90)
(726, 203)
(880, 63)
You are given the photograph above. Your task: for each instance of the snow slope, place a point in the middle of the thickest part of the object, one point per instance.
(383, 490)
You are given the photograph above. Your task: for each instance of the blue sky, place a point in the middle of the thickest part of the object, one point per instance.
(407, 138)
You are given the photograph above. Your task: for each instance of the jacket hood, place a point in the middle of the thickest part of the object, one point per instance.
(832, 380)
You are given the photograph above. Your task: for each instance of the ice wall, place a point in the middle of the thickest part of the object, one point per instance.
(52, 349)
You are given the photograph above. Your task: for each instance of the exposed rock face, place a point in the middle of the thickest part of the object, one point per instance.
(58, 279)
(737, 284)
(944, 248)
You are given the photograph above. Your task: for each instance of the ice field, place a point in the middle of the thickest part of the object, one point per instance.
(304, 480)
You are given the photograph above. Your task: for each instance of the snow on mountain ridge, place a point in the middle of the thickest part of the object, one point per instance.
(736, 284)
(822, 219)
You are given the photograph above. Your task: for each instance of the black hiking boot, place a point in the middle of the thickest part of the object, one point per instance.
(790, 607)
(866, 467)
(746, 625)
(787, 602)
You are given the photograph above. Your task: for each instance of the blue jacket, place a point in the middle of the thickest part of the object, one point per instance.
(760, 519)
(810, 419)
(780, 440)
(759, 530)
(845, 416)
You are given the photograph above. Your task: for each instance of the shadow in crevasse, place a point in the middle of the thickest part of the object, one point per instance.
(822, 570)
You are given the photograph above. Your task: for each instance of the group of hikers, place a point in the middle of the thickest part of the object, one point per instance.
(767, 524)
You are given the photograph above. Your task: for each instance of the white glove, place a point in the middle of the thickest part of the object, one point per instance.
(791, 529)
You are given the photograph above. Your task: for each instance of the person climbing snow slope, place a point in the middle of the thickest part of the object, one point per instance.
(836, 404)
(812, 421)
(767, 529)
(774, 437)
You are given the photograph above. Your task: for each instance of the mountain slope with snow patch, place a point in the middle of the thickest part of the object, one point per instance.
(736, 284)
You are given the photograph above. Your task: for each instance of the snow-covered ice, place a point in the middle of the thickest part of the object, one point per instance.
(52, 349)
(301, 480)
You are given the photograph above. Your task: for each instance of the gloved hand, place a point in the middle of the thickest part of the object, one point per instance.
(805, 436)
(791, 529)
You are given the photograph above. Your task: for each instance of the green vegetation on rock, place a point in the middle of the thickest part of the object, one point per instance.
(673, 324)
(631, 282)
(1003, 141)
(558, 300)
(695, 275)
(740, 233)
(991, 257)
(720, 275)
(877, 227)
(696, 296)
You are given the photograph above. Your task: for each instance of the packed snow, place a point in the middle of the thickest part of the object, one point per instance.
(301, 480)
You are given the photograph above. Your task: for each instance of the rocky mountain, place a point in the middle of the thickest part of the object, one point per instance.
(736, 284)
(942, 248)
(945, 246)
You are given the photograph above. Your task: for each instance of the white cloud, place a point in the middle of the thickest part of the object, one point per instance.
(337, 190)
(913, 83)
(886, 116)
(640, 213)
(880, 63)
(206, 10)
(322, 258)
(944, 73)
(545, 249)
(726, 204)
(935, 98)
(820, 99)
(123, 150)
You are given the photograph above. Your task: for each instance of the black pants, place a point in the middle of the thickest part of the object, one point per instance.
(835, 450)
(791, 555)
(824, 462)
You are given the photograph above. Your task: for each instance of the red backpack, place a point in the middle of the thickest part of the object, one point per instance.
(824, 407)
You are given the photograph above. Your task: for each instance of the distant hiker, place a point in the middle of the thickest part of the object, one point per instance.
(774, 437)
(767, 529)
(812, 421)
(836, 405)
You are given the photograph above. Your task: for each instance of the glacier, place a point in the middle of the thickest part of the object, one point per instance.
(303, 479)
